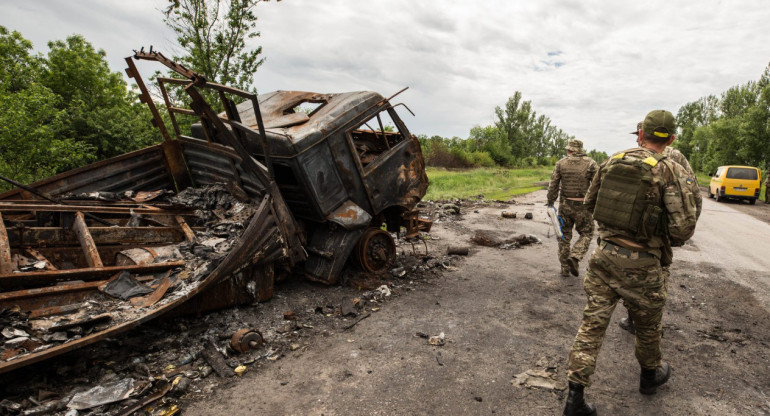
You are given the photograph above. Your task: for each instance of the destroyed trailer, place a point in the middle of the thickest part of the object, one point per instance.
(98, 250)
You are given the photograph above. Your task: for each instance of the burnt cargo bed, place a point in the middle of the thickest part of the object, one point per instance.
(69, 267)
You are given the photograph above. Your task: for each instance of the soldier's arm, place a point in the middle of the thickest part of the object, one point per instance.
(683, 202)
(593, 167)
(695, 189)
(590, 200)
(553, 186)
(686, 165)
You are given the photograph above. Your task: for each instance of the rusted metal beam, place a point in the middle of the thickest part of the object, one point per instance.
(53, 290)
(5, 249)
(155, 296)
(188, 232)
(86, 241)
(58, 237)
(171, 150)
(27, 279)
(54, 310)
(13, 207)
(180, 69)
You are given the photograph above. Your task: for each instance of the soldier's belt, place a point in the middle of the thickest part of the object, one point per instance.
(622, 251)
(572, 201)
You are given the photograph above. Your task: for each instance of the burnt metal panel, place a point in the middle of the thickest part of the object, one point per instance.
(116, 174)
(324, 182)
(397, 177)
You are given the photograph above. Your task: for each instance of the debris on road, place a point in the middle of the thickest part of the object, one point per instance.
(544, 376)
(457, 250)
(437, 340)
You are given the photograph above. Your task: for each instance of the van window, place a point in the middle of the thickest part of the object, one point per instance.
(742, 173)
(719, 172)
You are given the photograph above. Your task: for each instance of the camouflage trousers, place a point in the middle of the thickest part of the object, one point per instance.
(643, 287)
(574, 214)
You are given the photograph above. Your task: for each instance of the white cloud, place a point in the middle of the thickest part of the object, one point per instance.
(593, 67)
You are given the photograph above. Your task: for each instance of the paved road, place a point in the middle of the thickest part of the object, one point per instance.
(735, 243)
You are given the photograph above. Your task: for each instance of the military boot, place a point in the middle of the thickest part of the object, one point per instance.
(576, 404)
(573, 266)
(564, 271)
(651, 379)
(627, 324)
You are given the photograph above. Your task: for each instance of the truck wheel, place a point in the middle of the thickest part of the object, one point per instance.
(710, 194)
(376, 250)
(718, 197)
(753, 201)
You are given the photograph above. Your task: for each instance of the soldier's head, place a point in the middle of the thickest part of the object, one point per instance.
(574, 146)
(659, 127)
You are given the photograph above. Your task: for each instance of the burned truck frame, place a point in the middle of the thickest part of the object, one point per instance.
(346, 166)
(304, 187)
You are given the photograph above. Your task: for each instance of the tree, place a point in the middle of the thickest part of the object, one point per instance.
(214, 34)
(598, 156)
(31, 147)
(18, 69)
(101, 110)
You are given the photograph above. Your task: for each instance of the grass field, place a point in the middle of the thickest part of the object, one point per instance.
(497, 184)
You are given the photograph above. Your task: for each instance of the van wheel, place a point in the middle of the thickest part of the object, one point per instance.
(710, 194)
(718, 197)
(753, 201)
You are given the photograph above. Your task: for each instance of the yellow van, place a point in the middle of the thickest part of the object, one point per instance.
(737, 182)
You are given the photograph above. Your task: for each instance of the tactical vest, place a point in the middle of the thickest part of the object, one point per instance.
(574, 177)
(623, 202)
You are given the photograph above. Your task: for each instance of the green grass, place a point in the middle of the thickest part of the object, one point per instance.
(490, 183)
(703, 179)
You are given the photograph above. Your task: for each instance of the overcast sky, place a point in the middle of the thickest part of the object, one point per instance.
(593, 67)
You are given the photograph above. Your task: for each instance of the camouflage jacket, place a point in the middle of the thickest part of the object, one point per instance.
(571, 177)
(678, 157)
(672, 188)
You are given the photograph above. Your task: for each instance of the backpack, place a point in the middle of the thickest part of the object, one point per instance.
(622, 201)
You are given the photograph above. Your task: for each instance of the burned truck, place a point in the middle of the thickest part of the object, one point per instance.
(348, 169)
(207, 220)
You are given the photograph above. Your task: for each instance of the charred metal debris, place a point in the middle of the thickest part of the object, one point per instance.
(277, 183)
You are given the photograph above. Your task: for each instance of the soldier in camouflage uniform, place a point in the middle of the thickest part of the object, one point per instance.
(570, 180)
(643, 204)
(677, 156)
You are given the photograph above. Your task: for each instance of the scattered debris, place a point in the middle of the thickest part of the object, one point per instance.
(508, 214)
(246, 339)
(368, 314)
(528, 216)
(489, 239)
(437, 340)
(544, 376)
(458, 251)
(104, 394)
(451, 208)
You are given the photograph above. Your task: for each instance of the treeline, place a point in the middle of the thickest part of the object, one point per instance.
(63, 109)
(732, 129)
(518, 138)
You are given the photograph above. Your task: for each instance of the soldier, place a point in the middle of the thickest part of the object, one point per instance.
(643, 204)
(674, 154)
(570, 179)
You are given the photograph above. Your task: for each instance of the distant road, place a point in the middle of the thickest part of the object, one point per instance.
(736, 243)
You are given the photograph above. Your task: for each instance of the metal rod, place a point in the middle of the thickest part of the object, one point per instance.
(44, 196)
